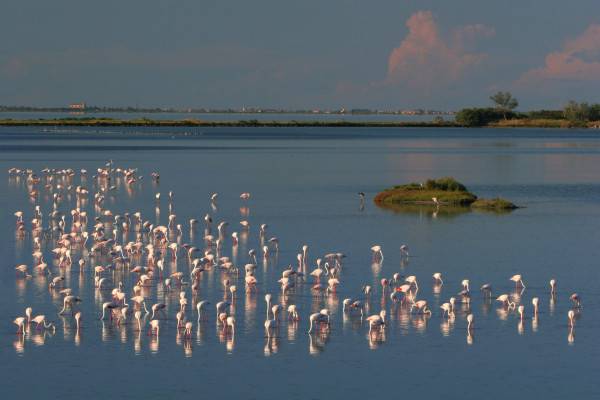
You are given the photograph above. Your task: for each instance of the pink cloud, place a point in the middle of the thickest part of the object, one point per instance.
(425, 60)
(578, 60)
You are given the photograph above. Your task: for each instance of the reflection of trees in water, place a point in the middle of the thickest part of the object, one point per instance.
(425, 210)
(432, 211)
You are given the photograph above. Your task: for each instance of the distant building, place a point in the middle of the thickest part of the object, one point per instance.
(77, 106)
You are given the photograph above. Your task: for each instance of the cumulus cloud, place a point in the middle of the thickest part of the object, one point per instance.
(578, 60)
(424, 59)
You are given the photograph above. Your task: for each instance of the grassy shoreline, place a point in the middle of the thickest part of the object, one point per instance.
(103, 122)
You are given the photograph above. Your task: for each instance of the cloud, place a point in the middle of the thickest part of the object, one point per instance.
(578, 60)
(425, 60)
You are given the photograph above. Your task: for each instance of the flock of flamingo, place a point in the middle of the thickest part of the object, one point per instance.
(115, 248)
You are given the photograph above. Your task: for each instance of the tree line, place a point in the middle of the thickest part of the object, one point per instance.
(504, 109)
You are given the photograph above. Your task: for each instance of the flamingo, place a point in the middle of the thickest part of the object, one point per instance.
(222, 307)
(270, 326)
(200, 307)
(293, 312)
(504, 298)
(486, 288)
(28, 312)
(77, 317)
(316, 318)
(469, 322)
(317, 273)
(22, 269)
(40, 320)
(231, 324)
(268, 301)
(576, 299)
(517, 280)
(535, 301)
(188, 329)
(412, 280)
(438, 277)
(250, 283)
(108, 306)
(377, 252)
(404, 250)
(421, 305)
(156, 308)
(465, 284)
(521, 311)
(366, 290)
(552, 286)
(180, 316)
(20, 322)
(154, 327)
(138, 316)
(346, 303)
(122, 316)
(447, 309)
(376, 321)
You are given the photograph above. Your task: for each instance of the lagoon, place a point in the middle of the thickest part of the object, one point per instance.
(304, 184)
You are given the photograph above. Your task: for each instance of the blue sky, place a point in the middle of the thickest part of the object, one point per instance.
(347, 53)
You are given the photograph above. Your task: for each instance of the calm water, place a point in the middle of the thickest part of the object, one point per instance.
(225, 116)
(304, 184)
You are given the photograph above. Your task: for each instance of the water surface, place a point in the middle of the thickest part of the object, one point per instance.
(304, 185)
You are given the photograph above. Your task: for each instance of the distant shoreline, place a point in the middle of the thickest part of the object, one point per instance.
(105, 122)
(108, 122)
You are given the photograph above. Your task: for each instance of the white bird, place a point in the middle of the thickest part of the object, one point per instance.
(535, 301)
(231, 324)
(465, 284)
(521, 311)
(517, 280)
(506, 300)
(552, 286)
(316, 318)
(447, 309)
(377, 252)
(404, 250)
(270, 326)
(376, 321)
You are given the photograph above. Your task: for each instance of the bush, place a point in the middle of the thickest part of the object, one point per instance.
(545, 114)
(448, 184)
(581, 112)
(481, 116)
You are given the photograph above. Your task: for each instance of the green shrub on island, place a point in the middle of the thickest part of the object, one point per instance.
(472, 117)
(443, 191)
(494, 204)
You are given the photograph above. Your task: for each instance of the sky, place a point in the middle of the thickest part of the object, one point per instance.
(378, 54)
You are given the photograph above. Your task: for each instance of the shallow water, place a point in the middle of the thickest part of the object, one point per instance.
(304, 185)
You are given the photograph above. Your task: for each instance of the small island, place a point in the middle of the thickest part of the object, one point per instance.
(443, 191)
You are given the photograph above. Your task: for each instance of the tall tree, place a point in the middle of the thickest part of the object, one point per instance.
(504, 102)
